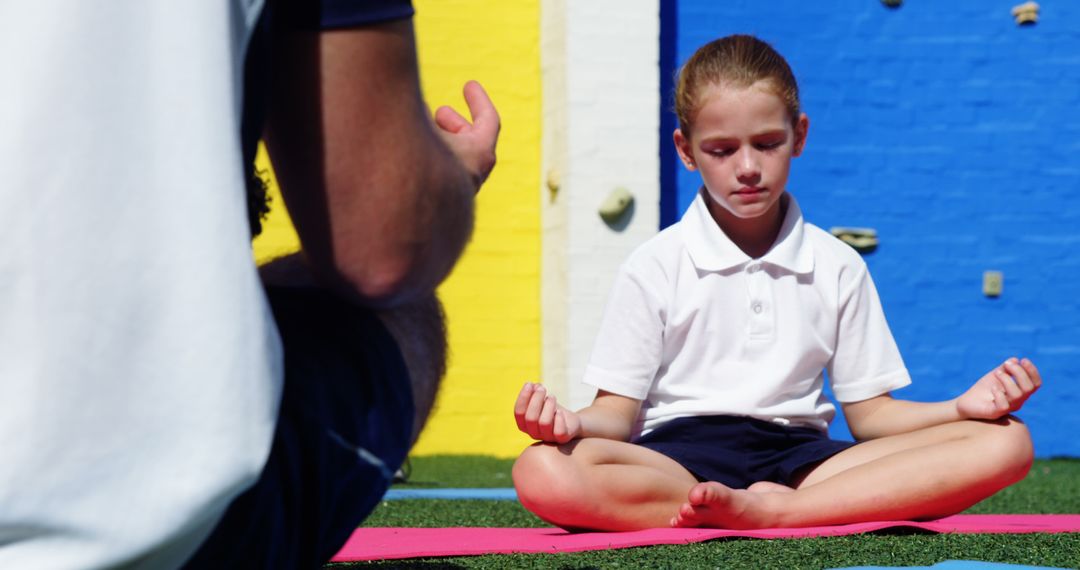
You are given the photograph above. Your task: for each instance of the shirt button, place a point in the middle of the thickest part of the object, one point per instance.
(753, 267)
(757, 308)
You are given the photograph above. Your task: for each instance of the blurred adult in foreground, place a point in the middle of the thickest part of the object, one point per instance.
(142, 370)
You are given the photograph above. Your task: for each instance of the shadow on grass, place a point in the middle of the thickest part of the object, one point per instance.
(901, 531)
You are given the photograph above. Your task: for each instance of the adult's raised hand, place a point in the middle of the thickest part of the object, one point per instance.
(473, 143)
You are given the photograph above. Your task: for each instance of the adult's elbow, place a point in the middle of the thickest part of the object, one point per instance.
(384, 283)
(394, 254)
(379, 289)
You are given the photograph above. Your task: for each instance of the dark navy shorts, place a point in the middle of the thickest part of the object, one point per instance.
(344, 427)
(740, 451)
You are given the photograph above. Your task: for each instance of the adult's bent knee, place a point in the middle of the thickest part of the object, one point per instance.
(419, 329)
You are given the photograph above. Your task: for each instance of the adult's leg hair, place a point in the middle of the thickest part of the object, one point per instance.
(419, 328)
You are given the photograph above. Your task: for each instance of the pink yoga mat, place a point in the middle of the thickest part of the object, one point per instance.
(391, 543)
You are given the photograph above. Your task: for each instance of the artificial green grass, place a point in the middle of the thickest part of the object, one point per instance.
(457, 471)
(437, 513)
(1052, 486)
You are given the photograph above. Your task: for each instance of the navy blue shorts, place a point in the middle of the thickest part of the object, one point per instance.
(740, 451)
(344, 427)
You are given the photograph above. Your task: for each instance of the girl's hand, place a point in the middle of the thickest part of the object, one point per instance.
(1001, 391)
(542, 418)
(472, 143)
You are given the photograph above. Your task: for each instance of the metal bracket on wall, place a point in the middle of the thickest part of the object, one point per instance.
(993, 283)
(1026, 13)
(864, 240)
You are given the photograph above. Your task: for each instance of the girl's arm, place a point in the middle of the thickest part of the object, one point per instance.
(1001, 391)
(539, 415)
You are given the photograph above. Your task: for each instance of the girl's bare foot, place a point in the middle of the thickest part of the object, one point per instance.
(769, 487)
(714, 505)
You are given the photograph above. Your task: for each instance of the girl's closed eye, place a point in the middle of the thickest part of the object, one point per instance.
(728, 151)
(770, 141)
(719, 148)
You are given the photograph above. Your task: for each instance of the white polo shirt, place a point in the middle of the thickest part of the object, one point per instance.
(694, 326)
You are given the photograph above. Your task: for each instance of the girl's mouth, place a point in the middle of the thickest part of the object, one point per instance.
(750, 191)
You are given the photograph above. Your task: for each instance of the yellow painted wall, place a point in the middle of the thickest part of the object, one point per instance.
(278, 236)
(492, 299)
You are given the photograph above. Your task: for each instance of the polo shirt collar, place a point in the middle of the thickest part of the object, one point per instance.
(711, 250)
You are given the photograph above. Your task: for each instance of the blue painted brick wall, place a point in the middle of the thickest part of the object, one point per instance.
(956, 134)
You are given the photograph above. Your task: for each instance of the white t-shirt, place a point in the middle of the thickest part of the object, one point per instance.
(694, 326)
(140, 367)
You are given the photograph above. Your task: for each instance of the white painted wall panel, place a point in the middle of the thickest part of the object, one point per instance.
(602, 105)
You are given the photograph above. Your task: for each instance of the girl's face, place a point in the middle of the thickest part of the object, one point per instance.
(742, 141)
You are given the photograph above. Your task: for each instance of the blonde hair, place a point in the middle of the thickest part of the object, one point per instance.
(737, 61)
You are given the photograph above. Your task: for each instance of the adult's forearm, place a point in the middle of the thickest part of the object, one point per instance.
(382, 206)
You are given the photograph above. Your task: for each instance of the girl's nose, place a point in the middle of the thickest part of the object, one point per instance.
(748, 165)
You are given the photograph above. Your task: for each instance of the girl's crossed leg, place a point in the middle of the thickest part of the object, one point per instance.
(600, 484)
(927, 473)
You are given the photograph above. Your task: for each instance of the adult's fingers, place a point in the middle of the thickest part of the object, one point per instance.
(450, 120)
(485, 116)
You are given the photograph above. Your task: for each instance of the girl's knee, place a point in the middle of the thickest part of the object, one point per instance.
(1008, 443)
(547, 480)
(531, 466)
(1017, 440)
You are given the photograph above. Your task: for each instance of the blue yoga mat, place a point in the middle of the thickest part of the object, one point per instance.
(956, 565)
(507, 494)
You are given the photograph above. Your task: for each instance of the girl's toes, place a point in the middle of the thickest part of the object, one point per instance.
(686, 516)
(707, 493)
(698, 494)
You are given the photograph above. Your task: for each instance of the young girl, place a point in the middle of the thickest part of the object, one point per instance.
(709, 363)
